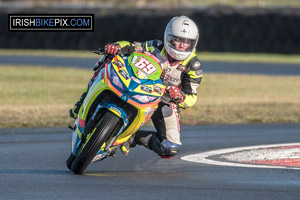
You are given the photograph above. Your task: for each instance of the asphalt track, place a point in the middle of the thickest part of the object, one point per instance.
(208, 67)
(33, 167)
(33, 160)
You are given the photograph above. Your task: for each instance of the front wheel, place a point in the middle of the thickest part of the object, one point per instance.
(70, 160)
(90, 148)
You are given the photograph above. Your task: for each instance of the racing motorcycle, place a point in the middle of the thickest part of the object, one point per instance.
(122, 98)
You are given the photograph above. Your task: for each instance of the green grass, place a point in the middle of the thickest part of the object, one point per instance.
(249, 57)
(204, 56)
(41, 97)
(227, 98)
(43, 52)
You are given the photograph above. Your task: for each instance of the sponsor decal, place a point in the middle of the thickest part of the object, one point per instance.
(146, 88)
(171, 79)
(136, 80)
(167, 70)
(118, 64)
(181, 68)
(149, 112)
(134, 59)
(141, 75)
(165, 65)
(157, 89)
(124, 74)
(117, 110)
(138, 47)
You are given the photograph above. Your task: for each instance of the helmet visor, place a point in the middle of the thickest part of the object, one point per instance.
(181, 44)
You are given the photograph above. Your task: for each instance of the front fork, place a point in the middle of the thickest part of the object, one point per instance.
(117, 111)
(106, 151)
(79, 139)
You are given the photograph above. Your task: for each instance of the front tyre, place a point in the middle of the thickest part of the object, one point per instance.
(70, 160)
(88, 151)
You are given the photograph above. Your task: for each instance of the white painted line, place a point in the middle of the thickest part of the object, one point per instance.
(203, 157)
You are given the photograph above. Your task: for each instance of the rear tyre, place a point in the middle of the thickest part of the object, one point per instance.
(88, 151)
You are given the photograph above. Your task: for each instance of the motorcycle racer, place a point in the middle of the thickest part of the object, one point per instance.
(182, 79)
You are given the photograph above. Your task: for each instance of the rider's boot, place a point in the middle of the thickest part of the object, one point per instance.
(74, 111)
(150, 140)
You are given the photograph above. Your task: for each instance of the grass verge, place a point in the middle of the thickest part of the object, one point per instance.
(41, 97)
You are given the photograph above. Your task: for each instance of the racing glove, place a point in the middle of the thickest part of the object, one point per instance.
(112, 49)
(176, 95)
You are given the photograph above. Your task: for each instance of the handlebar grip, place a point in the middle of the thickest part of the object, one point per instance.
(102, 49)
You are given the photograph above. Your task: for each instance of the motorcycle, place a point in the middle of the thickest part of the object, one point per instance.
(122, 98)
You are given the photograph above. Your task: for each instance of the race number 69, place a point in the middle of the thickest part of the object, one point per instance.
(146, 66)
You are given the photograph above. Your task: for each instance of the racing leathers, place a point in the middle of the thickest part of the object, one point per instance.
(185, 75)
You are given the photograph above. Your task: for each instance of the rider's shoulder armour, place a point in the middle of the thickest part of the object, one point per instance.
(194, 65)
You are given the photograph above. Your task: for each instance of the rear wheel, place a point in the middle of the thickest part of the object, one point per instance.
(90, 148)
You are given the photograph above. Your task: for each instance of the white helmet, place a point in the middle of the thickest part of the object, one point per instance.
(181, 29)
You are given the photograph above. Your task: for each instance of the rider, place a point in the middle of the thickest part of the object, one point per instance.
(182, 78)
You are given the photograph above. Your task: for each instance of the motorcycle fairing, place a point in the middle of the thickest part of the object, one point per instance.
(121, 77)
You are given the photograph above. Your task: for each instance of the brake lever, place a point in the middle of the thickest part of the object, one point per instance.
(100, 51)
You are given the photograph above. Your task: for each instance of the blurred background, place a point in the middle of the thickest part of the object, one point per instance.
(261, 26)
(261, 37)
(153, 3)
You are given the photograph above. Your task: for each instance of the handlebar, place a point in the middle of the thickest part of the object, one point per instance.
(101, 51)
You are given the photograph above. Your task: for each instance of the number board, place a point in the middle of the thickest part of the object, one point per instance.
(144, 66)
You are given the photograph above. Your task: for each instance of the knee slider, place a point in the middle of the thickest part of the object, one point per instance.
(172, 152)
(170, 148)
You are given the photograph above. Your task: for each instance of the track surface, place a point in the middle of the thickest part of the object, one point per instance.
(218, 67)
(33, 160)
(33, 167)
